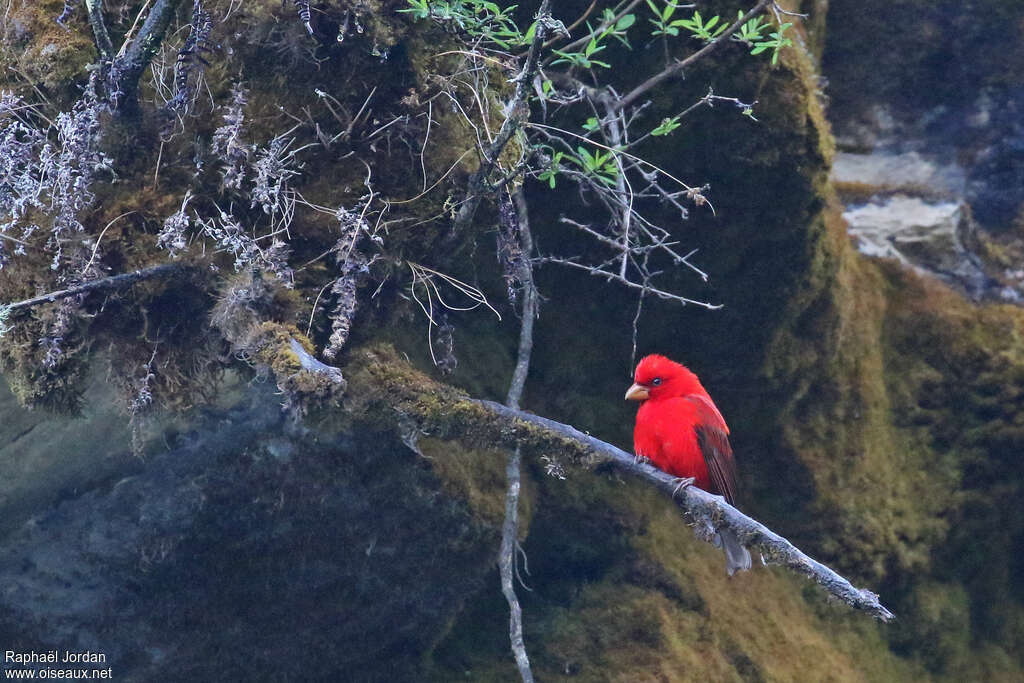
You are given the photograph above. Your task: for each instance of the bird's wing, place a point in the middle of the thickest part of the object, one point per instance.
(713, 440)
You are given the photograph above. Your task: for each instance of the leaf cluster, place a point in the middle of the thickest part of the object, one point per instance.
(610, 27)
(476, 18)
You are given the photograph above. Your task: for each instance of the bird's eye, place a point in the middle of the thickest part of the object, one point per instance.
(656, 381)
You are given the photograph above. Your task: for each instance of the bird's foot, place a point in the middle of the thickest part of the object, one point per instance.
(641, 459)
(681, 483)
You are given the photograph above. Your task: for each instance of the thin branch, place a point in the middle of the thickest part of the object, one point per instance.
(583, 17)
(779, 9)
(478, 181)
(103, 284)
(94, 9)
(593, 233)
(510, 528)
(129, 68)
(561, 131)
(615, 277)
(515, 390)
(616, 136)
(709, 511)
(388, 383)
(506, 560)
(597, 31)
(640, 90)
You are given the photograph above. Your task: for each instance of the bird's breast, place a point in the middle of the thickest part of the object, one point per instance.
(667, 437)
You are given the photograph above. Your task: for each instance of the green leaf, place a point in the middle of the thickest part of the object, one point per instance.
(528, 38)
(666, 126)
(625, 22)
(591, 125)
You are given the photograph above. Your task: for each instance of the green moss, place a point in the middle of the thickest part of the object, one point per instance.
(624, 592)
(476, 476)
(40, 53)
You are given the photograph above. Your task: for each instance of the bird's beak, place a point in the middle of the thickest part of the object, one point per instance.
(637, 392)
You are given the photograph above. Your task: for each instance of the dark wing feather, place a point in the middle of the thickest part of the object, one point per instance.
(713, 440)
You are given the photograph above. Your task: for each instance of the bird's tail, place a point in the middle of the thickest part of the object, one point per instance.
(737, 558)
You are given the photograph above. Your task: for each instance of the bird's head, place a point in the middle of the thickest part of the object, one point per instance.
(658, 377)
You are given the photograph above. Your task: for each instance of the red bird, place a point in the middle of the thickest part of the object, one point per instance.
(679, 429)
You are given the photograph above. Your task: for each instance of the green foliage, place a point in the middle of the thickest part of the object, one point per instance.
(600, 165)
(663, 25)
(488, 20)
(775, 42)
(549, 174)
(698, 28)
(666, 126)
(477, 18)
(584, 59)
(750, 32)
(617, 27)
(610, 27)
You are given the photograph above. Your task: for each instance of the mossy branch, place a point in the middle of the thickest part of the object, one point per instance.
(712, 511)
(139, 53)
(383, 380)
(94, 9)
(102, 284)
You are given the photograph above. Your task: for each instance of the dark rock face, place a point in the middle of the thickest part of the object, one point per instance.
(251, 550)
(995, 185)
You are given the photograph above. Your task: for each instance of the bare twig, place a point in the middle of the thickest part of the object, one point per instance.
(510, 527)
(95, 248)
(506, 561)
(640, 90)
(103, 284)
(597, 31)
(94, 9)
(615, 277)
(515, 390)
(779, 9)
